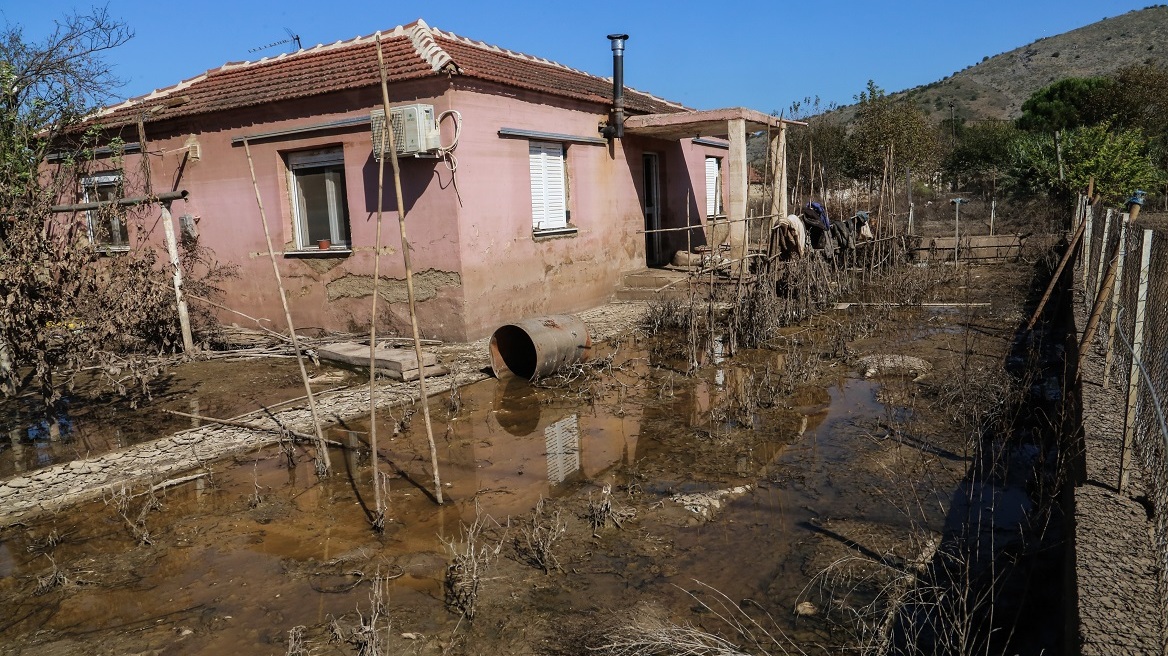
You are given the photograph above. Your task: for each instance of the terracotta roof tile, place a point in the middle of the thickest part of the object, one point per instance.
(411, 52)
(483, 61)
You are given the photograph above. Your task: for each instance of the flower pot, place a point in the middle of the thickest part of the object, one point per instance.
(324, 244)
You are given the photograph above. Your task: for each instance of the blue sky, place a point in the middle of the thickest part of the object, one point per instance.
(717, 53)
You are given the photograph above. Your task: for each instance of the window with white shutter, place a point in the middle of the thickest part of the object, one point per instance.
(549, 189)
(713, 186)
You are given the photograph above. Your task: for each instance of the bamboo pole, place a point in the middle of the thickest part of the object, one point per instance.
(386, 136)
(797, 189)
(811, 169)
(401, 222)
(234, 423)
(323, 462)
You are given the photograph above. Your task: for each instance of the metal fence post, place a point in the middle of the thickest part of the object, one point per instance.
(1137, 351)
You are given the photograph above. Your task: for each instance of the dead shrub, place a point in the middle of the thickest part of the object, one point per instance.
(538, 535)
(602, 512)
(470, 561)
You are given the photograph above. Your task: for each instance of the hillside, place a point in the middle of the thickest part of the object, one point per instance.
(997, 86)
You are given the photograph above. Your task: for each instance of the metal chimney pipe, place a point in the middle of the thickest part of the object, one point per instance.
(617, 129)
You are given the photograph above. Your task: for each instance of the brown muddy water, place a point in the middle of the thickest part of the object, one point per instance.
(774, 477)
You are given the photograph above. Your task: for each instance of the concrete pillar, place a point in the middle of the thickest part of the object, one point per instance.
(738, 184)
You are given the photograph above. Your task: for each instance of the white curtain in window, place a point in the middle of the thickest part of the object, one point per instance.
(549, 206)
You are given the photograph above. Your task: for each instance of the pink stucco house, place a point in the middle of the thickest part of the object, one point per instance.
(518, 207)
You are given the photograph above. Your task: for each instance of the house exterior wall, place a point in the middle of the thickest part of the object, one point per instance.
(475, 259)
(510, 273)
(330, 291)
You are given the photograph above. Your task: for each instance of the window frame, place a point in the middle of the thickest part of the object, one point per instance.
(331, 159)
(546, 228)
(89, 186)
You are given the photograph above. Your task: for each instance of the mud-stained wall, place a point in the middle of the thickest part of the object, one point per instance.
(427, 284)
(223, 202)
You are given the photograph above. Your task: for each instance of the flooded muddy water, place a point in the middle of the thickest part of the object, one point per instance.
(755, 477)
(89, 423)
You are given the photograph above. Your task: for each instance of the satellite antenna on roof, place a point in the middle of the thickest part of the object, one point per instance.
(292, 38)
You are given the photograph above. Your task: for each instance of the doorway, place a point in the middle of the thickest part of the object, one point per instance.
(652, 185)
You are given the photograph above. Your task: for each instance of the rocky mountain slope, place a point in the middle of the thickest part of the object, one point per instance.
(997, 86)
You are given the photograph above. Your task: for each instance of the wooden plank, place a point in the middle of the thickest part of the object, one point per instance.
(412, 374)
(388, 359)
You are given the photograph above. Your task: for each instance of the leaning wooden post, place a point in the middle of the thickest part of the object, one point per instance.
(405, 246)
(1054, 278)
(184, 317)
(1137, 354)
(1115, 290)
(323, 462)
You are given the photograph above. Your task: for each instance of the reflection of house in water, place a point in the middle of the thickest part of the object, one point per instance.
(563, 449)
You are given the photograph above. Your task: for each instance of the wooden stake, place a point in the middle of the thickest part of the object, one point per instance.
(1097, 311)
(1088, 235)
(1102, 249)
(184, 317)
(323, 462)
(401, 222)
(1137, 354)
(1117, 286)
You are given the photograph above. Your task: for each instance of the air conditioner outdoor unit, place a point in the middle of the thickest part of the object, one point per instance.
(415, 130)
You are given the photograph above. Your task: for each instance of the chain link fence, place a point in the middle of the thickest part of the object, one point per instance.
(1126, 261)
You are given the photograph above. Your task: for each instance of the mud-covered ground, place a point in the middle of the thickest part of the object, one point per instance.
(782, 498)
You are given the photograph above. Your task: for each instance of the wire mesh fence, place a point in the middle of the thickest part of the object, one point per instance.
(1126, 264)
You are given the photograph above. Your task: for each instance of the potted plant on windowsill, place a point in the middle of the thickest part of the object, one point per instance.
(324, 244)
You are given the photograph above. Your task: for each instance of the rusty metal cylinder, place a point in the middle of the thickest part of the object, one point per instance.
(538, 347)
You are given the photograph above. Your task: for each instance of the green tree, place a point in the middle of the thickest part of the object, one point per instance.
(882, 123)
(1117, 160)
(1068, 103)
(982, 154)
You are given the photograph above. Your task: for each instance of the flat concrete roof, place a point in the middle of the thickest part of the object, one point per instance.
(701, 123)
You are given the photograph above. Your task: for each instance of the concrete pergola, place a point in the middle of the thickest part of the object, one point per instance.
(733, 124)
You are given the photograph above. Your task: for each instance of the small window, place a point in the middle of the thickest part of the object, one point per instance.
(107, 224)
(549, 186)
(317, 182)
(714, 187)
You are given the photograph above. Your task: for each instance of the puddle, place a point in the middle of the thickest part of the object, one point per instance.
(87, 426)
(259, 547)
